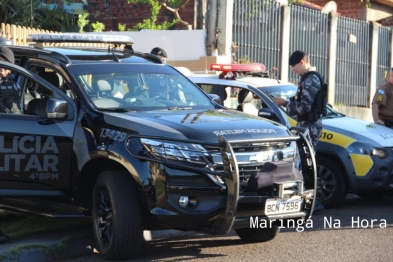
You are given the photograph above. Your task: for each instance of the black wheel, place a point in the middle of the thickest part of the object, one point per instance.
(117, 217)
(252, 235)
(332, 186)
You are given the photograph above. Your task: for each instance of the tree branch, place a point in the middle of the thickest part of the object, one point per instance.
(175, 11)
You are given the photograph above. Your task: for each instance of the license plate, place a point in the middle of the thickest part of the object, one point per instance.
(275, 206)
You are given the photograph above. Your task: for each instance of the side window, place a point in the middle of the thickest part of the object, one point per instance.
(17, 92)
(34, 97)
(53, 77)
(222, 91)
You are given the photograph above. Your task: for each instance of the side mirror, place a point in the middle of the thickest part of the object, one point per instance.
(215, 98)
(56, 108)
(266, 113)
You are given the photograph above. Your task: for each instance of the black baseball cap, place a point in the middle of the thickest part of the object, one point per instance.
(296, 57)
(158, 51)
(7, 54)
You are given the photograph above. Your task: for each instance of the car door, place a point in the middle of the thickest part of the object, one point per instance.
(35, 147)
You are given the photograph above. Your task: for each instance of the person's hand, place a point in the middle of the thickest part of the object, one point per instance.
(279, 101)
(380, 122)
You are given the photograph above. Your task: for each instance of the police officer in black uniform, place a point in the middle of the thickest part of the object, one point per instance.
(305, 104)
(9, 92)
(302, 105)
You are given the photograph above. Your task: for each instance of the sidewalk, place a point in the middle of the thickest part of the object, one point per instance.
(60, 246)
(49, 247)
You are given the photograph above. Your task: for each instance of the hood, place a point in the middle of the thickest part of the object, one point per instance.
(360, 130)
(205, 126)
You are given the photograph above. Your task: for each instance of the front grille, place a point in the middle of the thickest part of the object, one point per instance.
(245, 170)
(251, 157)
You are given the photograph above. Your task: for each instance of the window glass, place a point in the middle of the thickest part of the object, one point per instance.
(142, 87)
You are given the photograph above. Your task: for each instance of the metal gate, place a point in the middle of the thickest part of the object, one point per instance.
(310, 33)
(257, 33)
(383, 60)
(352, 62)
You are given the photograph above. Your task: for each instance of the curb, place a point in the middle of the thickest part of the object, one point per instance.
(67, 248)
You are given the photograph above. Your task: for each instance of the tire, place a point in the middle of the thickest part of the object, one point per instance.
(253, 235)
(117, 217)
(332, 186)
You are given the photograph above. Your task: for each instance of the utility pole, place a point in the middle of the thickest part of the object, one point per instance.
(211, 26)
(31, 13)
(201, 14)
(224, 28)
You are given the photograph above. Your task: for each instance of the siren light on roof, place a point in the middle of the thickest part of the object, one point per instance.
(80, 38)
(257, 67)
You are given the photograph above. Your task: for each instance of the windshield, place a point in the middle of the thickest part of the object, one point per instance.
(288, 91)
(138, 87)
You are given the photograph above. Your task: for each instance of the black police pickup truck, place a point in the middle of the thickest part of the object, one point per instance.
(127, 139)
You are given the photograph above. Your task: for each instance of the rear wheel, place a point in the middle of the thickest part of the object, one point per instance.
(252, 235)
(332, 186)
(117, 219)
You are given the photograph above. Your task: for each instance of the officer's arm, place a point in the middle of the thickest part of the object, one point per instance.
(375, 112)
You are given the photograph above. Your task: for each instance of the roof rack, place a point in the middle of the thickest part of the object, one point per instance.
(40, 39)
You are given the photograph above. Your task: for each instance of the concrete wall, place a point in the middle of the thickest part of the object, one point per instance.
(184, 47)
(356, 112)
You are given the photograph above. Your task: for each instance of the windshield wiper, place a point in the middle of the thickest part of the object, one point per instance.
(179, 108)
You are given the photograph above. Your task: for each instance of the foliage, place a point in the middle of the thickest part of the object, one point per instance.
(151, 23)
(121, 27)
(172, 6)
(37, 15)
(82, 21)
(98, 26)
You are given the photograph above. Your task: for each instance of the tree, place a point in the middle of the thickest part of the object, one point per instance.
(82, 21)
(121, 27)
(150, 23)
(167, 4)
(174, 6)
(35, 14)
(98, 26)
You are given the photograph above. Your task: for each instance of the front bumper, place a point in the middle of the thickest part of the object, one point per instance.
(379, 176)
(222, 208)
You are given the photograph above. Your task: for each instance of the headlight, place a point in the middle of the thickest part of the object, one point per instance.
(366, 148)
(177, 151)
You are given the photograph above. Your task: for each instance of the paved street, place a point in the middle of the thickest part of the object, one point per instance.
(346, 242)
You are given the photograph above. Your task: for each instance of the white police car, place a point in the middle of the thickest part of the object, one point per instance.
(352, 155)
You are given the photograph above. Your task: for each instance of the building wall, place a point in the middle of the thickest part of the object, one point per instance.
(357, 10)
(349, 8)
(113, 12)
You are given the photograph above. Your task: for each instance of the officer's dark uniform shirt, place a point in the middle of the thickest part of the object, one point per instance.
(310, 87)
(9, 96)
(384, 98)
